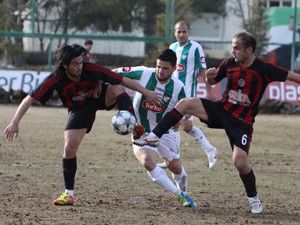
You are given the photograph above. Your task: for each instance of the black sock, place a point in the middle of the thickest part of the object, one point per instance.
(249, 183)
(69, 171)
(124, 103)
(169, 120)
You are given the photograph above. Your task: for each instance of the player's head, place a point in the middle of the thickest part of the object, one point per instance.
(181, 32)
(243, 46)
(246, 39)
(69, 60)
(165, 65)
(88, 44)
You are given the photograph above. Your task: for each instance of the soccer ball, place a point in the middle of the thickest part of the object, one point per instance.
(123, 122)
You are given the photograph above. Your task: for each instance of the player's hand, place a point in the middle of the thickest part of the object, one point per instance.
(11, 131)
(210, 75)
(153, 98)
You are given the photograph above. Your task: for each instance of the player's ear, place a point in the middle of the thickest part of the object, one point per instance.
(65, 66)
(249, 49)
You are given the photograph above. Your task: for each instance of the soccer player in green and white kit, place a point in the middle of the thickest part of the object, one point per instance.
(170, 90)
(190, 64)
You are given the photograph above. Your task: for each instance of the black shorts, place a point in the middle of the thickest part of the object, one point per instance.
(238, 132)
(84, 116)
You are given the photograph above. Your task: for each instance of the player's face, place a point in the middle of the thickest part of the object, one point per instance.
(181, 34)
(74, 69)
(164, 70)
(88, 47)
(240, 52)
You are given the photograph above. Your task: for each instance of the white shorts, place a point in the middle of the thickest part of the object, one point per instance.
(168, 148)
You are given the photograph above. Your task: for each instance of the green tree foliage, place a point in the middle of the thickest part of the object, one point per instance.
(53, 15)
(253, 21)
(10, 19)
(102, 15)
(118, 15)
(189, 9)
(114, 15)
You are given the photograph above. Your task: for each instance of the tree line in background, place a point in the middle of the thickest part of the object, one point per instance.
(112, 15)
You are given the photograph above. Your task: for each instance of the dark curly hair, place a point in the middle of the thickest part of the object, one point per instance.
(65, 54)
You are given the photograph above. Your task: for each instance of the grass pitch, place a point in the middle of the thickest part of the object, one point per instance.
(112, 188)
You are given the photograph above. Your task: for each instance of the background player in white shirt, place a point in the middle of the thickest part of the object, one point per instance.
(190, 65)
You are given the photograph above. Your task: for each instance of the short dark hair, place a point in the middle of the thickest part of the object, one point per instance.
(88, 42)
(247, 39)
(65, 54)
(168, 55)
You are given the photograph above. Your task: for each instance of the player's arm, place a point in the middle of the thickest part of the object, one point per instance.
(292, 76)
(112, 76)
(209, 90)
(202, 71)
(12, 130)
(210, 75)
(150, 95)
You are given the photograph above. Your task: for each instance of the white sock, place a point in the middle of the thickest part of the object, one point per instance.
(159, 176)
(202, 140)
(70, 192)
(180, 178)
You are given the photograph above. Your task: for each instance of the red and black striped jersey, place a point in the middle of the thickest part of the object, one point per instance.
(246, 86)
(73, 94)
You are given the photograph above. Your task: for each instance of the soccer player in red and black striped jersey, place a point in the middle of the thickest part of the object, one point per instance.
(248, 76)
(83, 88)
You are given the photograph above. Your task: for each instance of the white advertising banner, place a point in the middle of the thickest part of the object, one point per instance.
(28, 80)
(21, 80)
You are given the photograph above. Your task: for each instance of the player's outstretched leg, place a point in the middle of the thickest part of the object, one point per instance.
(169, 120)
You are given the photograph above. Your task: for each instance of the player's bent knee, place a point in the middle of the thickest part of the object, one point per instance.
(187, 126)
(70, 151)
(240, 164)
(175, 166)
(145, 159)
(183, 105)
(149, 164)
(71, 146)
(189, 106)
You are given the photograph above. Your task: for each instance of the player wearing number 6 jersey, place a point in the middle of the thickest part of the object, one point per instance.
(170, 90)
(248, 76)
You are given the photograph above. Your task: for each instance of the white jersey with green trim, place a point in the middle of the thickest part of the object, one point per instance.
(146, 113)
(190, 61)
